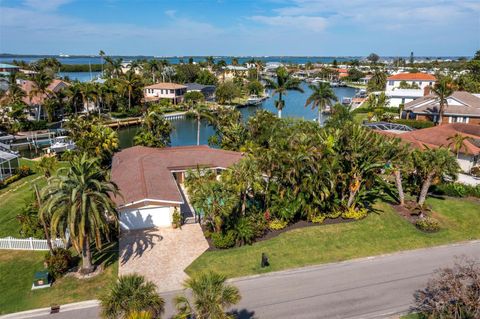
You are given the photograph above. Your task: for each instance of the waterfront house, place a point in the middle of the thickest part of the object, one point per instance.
(151, 181)
(9, 162)
(462, 107)
(440, 136)
(208, 91)
(164, 90)
(405, 87)
(7, 69)
(232, 71)
(35, 102)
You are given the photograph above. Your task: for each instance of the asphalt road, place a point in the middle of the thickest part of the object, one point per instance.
(375, 287)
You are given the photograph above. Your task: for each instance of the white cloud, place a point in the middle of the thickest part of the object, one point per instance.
(45, 5)
(298, 22)
(171, 13)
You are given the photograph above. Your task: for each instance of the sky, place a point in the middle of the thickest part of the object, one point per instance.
(241, 27)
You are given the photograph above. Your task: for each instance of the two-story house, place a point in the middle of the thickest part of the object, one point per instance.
(165, 90)
(405, 87)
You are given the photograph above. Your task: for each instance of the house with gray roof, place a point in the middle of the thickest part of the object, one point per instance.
(462, 107)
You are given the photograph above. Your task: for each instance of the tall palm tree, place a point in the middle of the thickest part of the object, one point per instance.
(378, 81)
(102, 55)
(130, 295)
(322, 96)
(443, 89)
(153, 67)
(77, 201)
(41, 82)
(211, 296)
(74, 96)
(15, 92)
(201, 111)
(130, 82)
(457, 141)
(284, 82)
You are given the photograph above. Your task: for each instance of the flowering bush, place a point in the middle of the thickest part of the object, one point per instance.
(277, 224)
(318, 219)
(352, 213)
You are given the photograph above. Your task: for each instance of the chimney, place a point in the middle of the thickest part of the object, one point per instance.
(426, 91)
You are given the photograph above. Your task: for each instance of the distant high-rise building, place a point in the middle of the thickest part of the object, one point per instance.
(411, 57)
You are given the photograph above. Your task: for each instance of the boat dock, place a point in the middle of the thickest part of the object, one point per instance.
(138, 120)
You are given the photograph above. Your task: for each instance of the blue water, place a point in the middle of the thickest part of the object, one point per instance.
(176, 60)
(185, 130)
(80, 76)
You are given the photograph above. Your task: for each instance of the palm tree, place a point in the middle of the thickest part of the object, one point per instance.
(47, 165)
(15, 92)
(284, 82)
(74, 96)
(378, 81)
(77, 201)
(443, 89)
(130, 82)
(153, 67)
(322, 96)
(457, 141)
(201, 111)
(102, 55)
(41, 82)
(155, 131)
(211, 296)
(430, 164)
(129, 296)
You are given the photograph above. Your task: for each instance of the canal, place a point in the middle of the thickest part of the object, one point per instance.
(185, 130)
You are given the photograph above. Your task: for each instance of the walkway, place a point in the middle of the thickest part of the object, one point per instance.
(161, 255)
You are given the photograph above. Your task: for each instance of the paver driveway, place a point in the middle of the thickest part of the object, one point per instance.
(162, 254)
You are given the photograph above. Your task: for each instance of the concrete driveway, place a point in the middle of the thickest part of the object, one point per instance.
(161, 255)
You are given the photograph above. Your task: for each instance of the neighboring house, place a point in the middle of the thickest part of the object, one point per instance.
(365, 79)
(208, 91)
(149, 180)
(398, 95)
(438, 136)
(341, 73)
(232, 71)
(7, 69)
(462, 107)
(165, 90)
(35, 102)
(9, 162)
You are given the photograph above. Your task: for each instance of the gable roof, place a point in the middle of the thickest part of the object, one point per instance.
(460, 103)
(438, 136)
(412, 77)
(145, 173)
(27, 86)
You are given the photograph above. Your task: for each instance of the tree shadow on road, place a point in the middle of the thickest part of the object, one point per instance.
(134, 243)
(242, 314)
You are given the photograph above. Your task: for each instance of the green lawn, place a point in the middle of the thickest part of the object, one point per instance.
(382, 232)
(16, 274)
(14, 198)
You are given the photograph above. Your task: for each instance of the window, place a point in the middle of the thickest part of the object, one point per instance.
(458, 119)
(431, 83)
(420, 83)
(390, 82)
(172, 91)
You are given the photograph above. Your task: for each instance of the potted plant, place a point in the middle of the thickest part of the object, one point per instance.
(176, 219)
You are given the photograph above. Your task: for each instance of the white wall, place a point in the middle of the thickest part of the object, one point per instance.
(146, 217)
(396, 101)
(465, 161)
(392, 84)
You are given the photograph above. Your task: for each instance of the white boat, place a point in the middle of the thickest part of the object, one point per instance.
(62, 55)
(254, 100)
(61, 144)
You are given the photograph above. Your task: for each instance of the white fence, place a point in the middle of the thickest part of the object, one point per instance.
(29, 243)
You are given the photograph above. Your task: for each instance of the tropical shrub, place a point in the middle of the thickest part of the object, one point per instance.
(457, 190)
(30, 225)
(245, 231)
(223, 241)
(58, 262)
(428, 224)
(475, 171)
(277, 224)
(24, 171)
(131, 294)
(451, 293)
(415, 124)
(177, 218)
(318, 219)
(352, 213)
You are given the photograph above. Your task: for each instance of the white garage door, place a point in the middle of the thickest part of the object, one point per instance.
(145, 217)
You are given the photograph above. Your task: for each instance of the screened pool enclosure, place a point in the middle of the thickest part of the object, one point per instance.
(8, 164)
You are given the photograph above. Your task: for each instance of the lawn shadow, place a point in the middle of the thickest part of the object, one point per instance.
(242, 314)
(134, 243)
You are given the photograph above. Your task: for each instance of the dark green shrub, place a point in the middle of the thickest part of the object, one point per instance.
(428, 224)
(58, 262)
(223, 241)
(475, 171)
(415, 124)
(245, 231)
(457, 190)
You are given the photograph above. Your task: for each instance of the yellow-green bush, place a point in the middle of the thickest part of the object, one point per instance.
(352, 213)
(277, 224)
(318, 219)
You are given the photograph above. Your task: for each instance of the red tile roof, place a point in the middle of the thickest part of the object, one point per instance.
(144, 173)
(438, 136)
(412, 77)
(27, 86)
